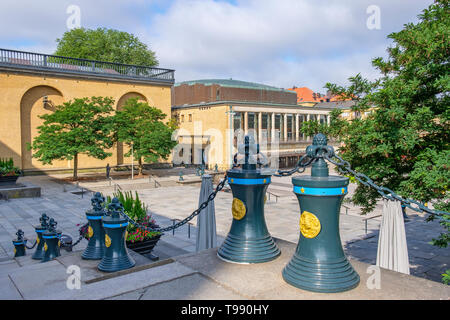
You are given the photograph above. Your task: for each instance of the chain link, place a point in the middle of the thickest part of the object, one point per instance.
(300, 167)
(29, 248)
(345, 168)
(202, 206)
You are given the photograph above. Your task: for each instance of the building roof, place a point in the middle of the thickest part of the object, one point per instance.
(347, 104)
(38, 63)
(305, 94)
(231, 83)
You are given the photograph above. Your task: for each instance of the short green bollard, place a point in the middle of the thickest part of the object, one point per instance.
(319, 263)
(116, 257)
(51, 239)
(40, 229)
(19, 244)
(248, 240)
(96, 245)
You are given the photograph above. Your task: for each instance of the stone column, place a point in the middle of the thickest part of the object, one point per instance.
(272, 133)
(328, 120)
(259, 126)
(245, 122)
(285, 127)
(308, 118)
(297, 128)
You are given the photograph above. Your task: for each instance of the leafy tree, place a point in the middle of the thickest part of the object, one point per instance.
(81, 126)
(142, 129)
(404, 143)
(105, 45)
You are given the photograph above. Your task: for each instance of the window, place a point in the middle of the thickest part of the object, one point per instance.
(237, 120)
(182, 118)
(190, 117)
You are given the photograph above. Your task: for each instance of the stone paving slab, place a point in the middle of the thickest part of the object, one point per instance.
(122, 284)
(191, 287)
(264, 281)
(39, 280)
(8, 289)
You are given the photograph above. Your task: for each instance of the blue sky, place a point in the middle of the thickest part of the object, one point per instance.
(276, 42)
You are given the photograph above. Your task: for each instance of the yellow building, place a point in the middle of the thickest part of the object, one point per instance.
(210, 113)
(32, 84)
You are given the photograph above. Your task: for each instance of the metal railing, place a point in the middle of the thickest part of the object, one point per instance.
(116, 185)
(31, 60)
(157, 184)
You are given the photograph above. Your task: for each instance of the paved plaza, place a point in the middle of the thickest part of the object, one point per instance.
(67, 206)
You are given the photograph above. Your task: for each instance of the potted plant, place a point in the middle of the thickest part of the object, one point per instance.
(138, 239)
(8, 172)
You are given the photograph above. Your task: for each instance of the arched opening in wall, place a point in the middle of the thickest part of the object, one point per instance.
(36, 101)
(120, 103)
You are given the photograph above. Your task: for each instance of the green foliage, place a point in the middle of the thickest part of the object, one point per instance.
(404, 143)
(446, 277)
(141, 127)
(335, 129)
(133, 207)
(105, 45)
(7, 167)
(138, 211)
(75, 127)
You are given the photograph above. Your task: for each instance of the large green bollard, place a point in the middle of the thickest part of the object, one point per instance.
(19, 244)
(248, 240)
(116, 257)
(96, 246)
(319, 263)
(40, 229)
(51, 239)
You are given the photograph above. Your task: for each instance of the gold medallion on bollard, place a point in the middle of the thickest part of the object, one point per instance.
(238, 209)
(309, 225)
(107, 241)
(90, 232)
(45, 247)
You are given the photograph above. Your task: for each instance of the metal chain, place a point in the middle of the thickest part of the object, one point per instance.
(82, 233)
(29, 248)
(300, 167)
(202, 206)
(344, 167)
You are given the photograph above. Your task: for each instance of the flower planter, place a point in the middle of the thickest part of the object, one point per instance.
(144, 247)
(8, 180)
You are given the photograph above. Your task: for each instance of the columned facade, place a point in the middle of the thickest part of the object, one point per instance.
(286, 123)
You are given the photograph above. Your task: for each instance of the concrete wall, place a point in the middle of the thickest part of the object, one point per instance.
(21, 101)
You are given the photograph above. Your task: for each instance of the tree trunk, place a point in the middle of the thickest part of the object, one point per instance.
(141, 169)
(75, 167)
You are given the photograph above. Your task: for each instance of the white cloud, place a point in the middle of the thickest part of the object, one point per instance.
(277, 42)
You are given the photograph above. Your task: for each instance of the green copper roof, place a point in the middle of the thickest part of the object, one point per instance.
(232, 83)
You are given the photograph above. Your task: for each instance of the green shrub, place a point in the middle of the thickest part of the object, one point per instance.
(7, 167)
(138, 211)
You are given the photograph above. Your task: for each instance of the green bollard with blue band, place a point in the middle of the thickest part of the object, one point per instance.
(51, 239)
(116, 256)
(19, 244)
(248, 240)
(40, 229)
(96, 245)
(319, 263)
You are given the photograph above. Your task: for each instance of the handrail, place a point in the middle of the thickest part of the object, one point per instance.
(111, 180)
(156, 181)
(68, 64)
(365, 220)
